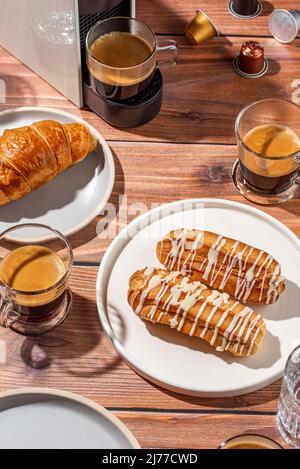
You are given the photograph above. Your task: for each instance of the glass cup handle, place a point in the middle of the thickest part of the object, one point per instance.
(164, 46)
(9, 311)
(297, 180)
(297, 159)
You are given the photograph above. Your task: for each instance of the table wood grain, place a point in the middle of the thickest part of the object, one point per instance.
(187, 151)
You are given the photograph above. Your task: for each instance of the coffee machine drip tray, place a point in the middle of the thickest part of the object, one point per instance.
(131, 112)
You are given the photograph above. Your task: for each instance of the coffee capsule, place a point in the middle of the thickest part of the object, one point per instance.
(284, 24)
(200, 29)
(245, 9)
(251, 62)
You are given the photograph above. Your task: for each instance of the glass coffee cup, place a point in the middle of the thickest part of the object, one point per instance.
(268, 141)
(35, 264)
(250, 441)
(121, 55)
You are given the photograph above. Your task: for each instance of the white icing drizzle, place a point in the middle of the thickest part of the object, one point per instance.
(153, 282)
(192, 292)
(239, 317)
(246, 280)
(273, 284)
(213, 255)
(211, 297)
(184, 268)
(189, 301)
(177, 244)
(248, 333)
(149, 271)
(234, 325)
(231, 264)
(222, 243)
(248, 283)
(197, 244)
(253, 341)
(241, 332)
(242, 266)
(208, 320)
(221, 321)
(158, 297)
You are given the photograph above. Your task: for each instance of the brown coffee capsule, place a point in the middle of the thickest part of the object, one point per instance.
(251, 61)
(245, 9)
(200, 29)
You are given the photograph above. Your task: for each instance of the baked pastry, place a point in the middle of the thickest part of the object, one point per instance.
(33, 155)
(246, 273)
(190, 307)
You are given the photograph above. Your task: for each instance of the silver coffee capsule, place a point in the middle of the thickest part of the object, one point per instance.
(284, 24)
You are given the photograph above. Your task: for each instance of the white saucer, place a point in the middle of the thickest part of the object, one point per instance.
(42, 418)
(173, 360)
(76, 196)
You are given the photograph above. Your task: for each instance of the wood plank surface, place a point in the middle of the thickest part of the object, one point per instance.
(79, 357)
(202, 94)
(187, 151)
(157, 430)
(172, 16)
(155, 174)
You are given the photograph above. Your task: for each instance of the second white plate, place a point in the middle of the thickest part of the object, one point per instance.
(45, 418)
(173, 360)
(76, 196)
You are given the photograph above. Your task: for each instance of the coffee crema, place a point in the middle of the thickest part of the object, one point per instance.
(270, 141)
(118, 60)
(250, 442)
(120, 50)
(31, 269)
(246, 445)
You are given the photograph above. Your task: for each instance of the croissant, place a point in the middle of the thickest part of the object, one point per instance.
(244, 272)
(33, 155)
(190, 307)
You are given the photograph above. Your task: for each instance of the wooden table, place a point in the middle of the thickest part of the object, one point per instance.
(187, 151)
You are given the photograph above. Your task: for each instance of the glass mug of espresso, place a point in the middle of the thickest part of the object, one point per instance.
(35, 263)
(250, 441)
(268, 140)
(121, 54)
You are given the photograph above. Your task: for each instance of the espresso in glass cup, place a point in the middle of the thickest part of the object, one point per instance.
(121, 54)
(35, 263)
(268, 140)
(250, 441)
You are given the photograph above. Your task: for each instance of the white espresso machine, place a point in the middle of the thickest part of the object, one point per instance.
(49, 37)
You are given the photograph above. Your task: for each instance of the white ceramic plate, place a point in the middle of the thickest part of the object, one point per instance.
(42, 418)
(76, 196)
(173, 360)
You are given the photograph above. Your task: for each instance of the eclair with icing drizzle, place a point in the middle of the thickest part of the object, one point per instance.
(244, 272)
(192, 308)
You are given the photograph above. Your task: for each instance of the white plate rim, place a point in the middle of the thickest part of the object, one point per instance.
(131, 361)
(79, 399)
(107, 152)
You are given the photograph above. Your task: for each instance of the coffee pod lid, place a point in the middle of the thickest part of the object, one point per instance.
(284, 24)
(200, 28)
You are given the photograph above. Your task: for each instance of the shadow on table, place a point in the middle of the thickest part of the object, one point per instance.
(267, 356)
(267, 8)
(269, 353)
(292, 206)
(88, 233)
(74, 339)
(245, 401)
(14, 89)
(200, 102)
